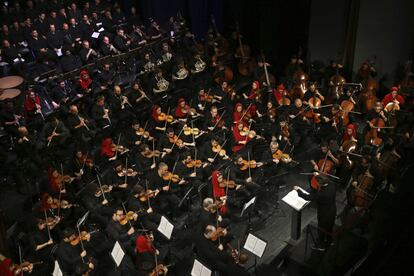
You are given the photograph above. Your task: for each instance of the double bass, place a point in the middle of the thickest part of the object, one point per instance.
(368, 96)
(245, 65)
(266, 77)
(301, 85)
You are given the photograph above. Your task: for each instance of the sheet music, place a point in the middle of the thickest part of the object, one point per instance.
(95, 34)
(199, 269)
(255, 245)
(101, 30)
(117, 253)
(165, 227)
(59, 52)
(57, 271)
(250, 202)
(295, 201)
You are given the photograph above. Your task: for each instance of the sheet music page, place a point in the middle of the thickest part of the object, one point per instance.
(56, 270)
(259, 248)
(199, 269)
(295, 201)
(117, 253)
(165, 227)
(95, 34)
(250, 243)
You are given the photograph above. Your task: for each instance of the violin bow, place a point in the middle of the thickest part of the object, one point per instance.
(47, 225)
(48, 143)
(178, 136)
(146, 192)
(60, 190)
(195, 159)
(247, 135)
(81, 242)
(248, 160)
(166, 121)
(221, 146)
(228, 178)
(126, 170)
(117, 145)
(145, 127)
(172, 172)
(245, 112)
(20, 259)
(153, 150)
(100, 187)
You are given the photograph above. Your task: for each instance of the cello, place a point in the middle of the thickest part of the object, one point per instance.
(336, 88)
(325, 167)
(372, 137)
(368, 97)
(267, 78)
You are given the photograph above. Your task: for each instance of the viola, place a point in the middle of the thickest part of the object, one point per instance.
(63, 204)
(165, 117)
(325, 166)
(25, 266)
(245, 164)
(144, 196)
(171, 177)
(194, 163)
(207, 98)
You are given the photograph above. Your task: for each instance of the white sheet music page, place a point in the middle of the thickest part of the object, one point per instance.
(255, 245)
(295, 201)
(165, 227)
(199, 269)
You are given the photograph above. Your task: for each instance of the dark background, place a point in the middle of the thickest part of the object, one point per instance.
(348, 31)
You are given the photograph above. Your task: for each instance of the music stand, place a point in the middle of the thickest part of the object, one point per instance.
(297, 204)
(251, 204)
(256, 246)
(57, 271)
(199, 269)
(165, 227)
(117, 253)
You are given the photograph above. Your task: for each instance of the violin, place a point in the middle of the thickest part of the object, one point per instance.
(247, 132)
(144, 196)
(218, 122)
(228, 183)
(85, 160)
(219, 150)
(127, 172)
(128, 217)
(165, 117)
(220, 232)
(207, 98)
(150, 154)
(142, 132)
(63, 204)
(160, 269)
(177, 141)
(281, 156)
(51, 221)
(105, 189)
(119, 148)
(191, 131)
(24, 266)
(245, 164)
(171, 177)
(194, 163)
(189, 110)
(84, 236)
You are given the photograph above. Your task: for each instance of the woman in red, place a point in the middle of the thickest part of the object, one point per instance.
(32, 105)
(238, 113)
(255, 93)
(85, 82)
(107, 148)
(145, 252)
(240, 140)
(393, 96)
(181, 109)
(349, 134)
(55, 181)
(219, 193)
